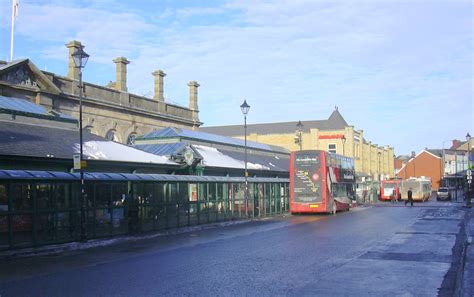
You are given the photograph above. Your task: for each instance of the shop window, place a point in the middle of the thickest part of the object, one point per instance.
(131, 139)
(111, 135)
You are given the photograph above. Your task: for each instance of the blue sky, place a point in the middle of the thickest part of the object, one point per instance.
(402, 71)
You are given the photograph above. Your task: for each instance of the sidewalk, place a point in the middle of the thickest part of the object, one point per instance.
(468, 275)
(92, 243)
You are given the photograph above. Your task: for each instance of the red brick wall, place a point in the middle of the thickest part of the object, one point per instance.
(398, 163)
(425, 164)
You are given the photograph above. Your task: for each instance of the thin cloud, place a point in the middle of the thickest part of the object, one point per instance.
(381, 62)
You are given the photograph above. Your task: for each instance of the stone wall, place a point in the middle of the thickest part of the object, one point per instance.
(108, 109)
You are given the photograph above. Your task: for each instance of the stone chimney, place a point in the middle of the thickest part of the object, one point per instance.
(193, 101)
(72, 71)
(121, 73)
(159, 78)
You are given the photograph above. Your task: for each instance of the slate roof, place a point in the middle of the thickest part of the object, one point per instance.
(28, 140)
(334, 122)
(37, 141)
(19, 106)
(436, 152)
(207, 137)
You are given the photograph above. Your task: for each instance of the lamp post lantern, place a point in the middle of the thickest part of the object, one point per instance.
(80, 58)
(343, 139)
(245, 109)
(468, 171)
(299, 127)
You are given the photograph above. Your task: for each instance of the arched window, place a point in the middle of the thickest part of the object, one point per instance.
(111, 135)
(131, 139)
(88, 129)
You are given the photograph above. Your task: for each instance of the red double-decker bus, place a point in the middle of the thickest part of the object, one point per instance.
(320, 182)
(390, 187)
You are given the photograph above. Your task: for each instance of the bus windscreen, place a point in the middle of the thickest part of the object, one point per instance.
(307, 177)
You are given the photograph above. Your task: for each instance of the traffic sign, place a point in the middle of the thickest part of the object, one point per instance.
(77, 161)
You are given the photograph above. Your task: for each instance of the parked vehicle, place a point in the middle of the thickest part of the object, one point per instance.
(443, 194)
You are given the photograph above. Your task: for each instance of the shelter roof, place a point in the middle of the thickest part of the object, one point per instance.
(218, 157)
(106, 176)
(205, 137)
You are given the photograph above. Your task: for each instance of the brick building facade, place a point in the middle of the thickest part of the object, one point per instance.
(425, 164)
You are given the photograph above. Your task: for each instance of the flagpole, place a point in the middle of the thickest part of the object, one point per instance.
(13, 29)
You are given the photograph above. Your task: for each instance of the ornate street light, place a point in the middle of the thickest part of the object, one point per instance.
(343, 139)
(80, 58)
(245, 110)
(299, 127)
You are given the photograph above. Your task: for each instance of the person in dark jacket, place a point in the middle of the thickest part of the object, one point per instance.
(410, 197)
(393, 197)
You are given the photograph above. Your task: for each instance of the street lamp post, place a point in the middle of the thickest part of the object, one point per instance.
(299, 127)
(413, 155)
(468, 171)
(80, 58)
(245, 109)
(443, 166)
(343, 139)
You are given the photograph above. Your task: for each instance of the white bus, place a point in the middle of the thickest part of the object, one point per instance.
(420, 187)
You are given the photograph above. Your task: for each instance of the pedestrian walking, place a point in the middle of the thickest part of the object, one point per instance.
(393, 197)
(410, 197)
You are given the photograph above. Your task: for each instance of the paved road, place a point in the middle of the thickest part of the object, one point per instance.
(369, 251)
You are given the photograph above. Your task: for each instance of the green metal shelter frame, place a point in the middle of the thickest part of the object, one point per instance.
(42, 207)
